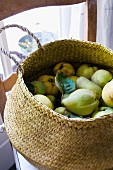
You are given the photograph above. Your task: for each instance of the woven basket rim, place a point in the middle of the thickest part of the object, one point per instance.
(96, 44)
(79, 41)
(75, 40)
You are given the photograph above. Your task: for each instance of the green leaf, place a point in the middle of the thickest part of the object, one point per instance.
(65, 84)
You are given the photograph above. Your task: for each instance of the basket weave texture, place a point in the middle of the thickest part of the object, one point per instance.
(47, 139)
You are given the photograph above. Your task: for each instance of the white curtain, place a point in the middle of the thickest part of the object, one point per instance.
(105, 22)
(72, 21)
(77, 21)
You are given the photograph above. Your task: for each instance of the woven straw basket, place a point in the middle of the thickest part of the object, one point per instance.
(47, 139)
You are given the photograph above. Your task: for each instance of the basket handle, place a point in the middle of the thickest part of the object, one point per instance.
(8, 53)
(19, 55)
(23, 29)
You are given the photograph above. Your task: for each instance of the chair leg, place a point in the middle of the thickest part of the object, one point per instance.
(2, 98)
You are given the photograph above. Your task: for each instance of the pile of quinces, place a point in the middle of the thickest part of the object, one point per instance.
(84, 92)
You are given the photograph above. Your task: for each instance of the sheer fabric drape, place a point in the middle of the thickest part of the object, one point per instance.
(105, 22)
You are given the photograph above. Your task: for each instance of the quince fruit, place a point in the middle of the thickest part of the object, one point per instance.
(101, 77)
(81, 102)
(44, 100)
(84, 83)
(52, 98)
(107, 94)
(86, 70)
(66, 68)
(62, 110)
(38, 87)
(102, 111)
(49, 82)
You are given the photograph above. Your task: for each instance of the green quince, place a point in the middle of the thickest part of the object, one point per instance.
(107, 94)
(36, 87)
(86, 70)
(102, 111)
(81, 102)
(84, 83)
(101, 77)
(44, 100)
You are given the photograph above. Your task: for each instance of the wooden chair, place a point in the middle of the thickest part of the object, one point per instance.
(12, 7)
